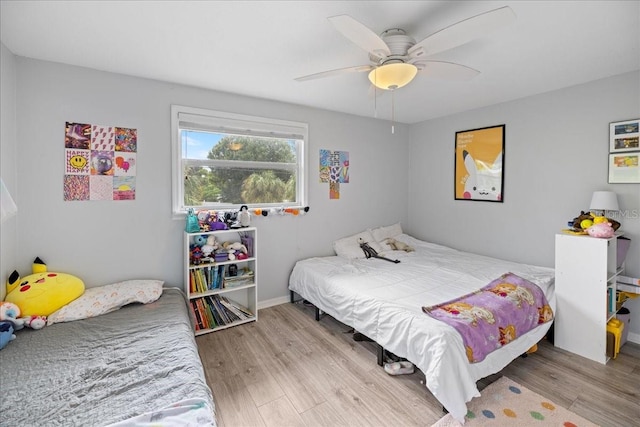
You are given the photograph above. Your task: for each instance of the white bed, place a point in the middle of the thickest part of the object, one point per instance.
(384, 301)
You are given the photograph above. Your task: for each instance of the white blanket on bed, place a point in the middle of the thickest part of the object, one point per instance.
(384, 301)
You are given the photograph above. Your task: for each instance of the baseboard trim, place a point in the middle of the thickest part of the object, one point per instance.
(271, 302)
(634, 338)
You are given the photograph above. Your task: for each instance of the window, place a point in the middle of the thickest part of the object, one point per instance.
(225, 160)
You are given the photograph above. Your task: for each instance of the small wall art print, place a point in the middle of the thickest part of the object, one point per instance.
(100, 162)
(624, 168)
(334, 169)
(624, 136)
(479, 164)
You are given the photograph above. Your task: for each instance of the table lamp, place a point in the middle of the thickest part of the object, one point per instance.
(604, 201)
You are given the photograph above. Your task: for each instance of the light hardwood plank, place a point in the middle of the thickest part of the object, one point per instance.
(289, 367)
(281, 413)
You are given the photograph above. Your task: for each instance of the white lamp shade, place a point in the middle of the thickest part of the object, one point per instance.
(604, 201)
(8, 207)
(393, 76)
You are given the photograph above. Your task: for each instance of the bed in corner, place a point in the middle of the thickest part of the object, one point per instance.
(389, 303)
(136, 364)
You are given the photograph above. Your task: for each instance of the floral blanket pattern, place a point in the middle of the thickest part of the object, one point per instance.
(494, 315)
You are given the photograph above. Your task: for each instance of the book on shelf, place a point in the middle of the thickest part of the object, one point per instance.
(214, 311)
(203, 313)
(198, 319)
(633, 289)
(239, 314)
(239, 307)
(244, 277)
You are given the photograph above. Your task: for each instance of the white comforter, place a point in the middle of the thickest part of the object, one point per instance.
(384, 301)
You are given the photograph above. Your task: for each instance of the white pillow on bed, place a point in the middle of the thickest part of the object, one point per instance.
(381, 234)
(349, 247)
(105, 299)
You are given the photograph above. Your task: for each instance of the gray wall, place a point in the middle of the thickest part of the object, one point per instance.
(8, 163)
(104, 241)
(556, 155)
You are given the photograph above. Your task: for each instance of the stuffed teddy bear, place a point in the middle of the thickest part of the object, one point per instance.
(6, 333)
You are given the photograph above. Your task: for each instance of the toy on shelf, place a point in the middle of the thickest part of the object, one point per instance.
(583, 222)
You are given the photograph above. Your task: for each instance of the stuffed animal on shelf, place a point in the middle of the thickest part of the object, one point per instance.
(602, 229)
(587, 219)
(209, 247)
(6, 333)
(233, 248)
(42, 292)
(244, 217)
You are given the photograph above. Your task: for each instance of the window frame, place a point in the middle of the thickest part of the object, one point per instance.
(238, 124)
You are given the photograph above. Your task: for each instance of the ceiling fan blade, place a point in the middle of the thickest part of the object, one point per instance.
(446, 70)
(330, 73)
(463, 32)
(360, 34)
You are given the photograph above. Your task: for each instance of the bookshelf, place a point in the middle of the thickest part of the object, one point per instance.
(587, 270)
(222, 289)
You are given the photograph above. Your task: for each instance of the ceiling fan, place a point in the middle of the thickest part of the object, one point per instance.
(395, 58)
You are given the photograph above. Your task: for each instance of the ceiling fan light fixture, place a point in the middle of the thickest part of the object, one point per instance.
(393, 76)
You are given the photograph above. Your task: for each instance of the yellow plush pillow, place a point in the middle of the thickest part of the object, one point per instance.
(42, 292)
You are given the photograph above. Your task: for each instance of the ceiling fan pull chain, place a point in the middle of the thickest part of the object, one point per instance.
(393, 109)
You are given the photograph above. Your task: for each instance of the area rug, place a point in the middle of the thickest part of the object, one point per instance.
(507, 403)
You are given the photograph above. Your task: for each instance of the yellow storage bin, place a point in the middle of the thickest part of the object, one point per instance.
(614, 327)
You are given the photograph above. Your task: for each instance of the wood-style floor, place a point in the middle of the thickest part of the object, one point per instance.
(286, 369)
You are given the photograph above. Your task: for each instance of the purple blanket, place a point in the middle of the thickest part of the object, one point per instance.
(494, 315)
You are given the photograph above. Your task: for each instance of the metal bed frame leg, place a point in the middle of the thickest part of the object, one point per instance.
(380, 352)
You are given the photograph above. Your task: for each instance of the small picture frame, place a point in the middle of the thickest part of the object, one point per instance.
(624, 136)
(624, 168)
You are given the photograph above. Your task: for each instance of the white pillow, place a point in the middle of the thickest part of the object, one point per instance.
(104, 299)
(349, 247)
(381, 234)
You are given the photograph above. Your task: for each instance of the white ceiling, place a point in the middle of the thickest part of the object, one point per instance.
(257, 48)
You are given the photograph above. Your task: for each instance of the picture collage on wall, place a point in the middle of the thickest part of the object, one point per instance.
(334, 169)
(100, 162)
(624, 152)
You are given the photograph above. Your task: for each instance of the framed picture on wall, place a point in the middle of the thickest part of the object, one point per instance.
(479, 164)
(624, 168)
(624, 136)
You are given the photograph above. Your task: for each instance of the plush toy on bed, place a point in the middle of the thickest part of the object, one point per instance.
(6, 333)
(399, 246)
(42, 292)
(10, 312)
